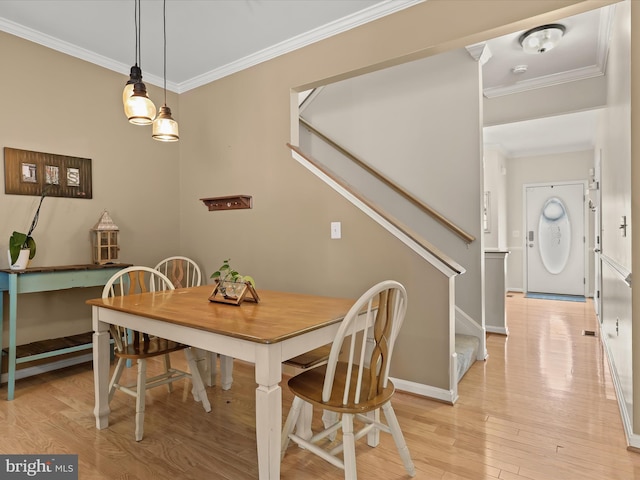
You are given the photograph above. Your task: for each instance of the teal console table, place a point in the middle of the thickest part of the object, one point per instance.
(44, 279)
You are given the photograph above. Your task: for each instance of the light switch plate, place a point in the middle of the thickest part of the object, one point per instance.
(336, 230)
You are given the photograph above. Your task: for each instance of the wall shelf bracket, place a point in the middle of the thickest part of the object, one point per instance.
(231, 202)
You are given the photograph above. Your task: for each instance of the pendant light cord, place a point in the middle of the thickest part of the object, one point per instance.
(164, 27)
(138, 17)
(136, 7)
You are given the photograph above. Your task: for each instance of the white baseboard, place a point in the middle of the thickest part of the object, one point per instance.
(424, 390)
(47, 367)
(633, 440)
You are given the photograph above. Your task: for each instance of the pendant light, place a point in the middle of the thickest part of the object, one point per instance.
(165, 128)
(138, 108)
(136, 73)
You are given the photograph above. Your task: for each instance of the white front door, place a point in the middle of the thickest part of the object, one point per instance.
(555, 239)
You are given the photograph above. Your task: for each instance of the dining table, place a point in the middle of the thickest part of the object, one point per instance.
(278, 327)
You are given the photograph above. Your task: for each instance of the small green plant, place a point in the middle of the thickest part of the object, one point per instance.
(228, 279)
(225, 273)
(20, 241)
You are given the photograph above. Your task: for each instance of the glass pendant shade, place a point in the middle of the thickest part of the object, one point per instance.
(134, 77)
(139, 109)
(165, 128)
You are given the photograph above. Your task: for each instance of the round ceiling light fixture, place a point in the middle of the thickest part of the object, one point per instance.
(541, 39)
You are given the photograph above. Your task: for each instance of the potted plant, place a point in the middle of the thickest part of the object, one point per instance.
(21, 243)
(229, 281)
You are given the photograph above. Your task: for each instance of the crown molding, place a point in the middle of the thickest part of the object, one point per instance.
(546, 81)
(480, 52)
(551, 150)
(374, 12)
(334, 28)
(77, 52)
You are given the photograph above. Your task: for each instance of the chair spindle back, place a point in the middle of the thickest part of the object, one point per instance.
(182, 271)
(368, 355)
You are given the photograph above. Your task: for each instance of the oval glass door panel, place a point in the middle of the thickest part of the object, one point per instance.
(554, 236)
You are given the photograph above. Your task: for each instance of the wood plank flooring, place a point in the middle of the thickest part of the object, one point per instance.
(541, 407)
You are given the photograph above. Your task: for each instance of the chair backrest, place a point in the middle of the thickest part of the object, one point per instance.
(182, 271)
(368, 359)
(129, 281)
(137, 279)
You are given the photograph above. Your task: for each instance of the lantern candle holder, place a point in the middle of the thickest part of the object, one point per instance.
(104, 240)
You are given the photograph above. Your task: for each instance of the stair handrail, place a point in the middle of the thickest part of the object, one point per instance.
(467, 237)
(451, 264)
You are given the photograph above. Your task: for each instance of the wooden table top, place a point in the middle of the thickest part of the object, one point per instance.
(277, 317)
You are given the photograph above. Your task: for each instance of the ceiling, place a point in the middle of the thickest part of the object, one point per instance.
(207, 40)
(581, 53)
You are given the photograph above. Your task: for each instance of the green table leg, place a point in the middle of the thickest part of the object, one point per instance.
(1, 326)
(13, 312)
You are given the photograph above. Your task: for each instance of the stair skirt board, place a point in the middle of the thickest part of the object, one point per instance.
(467, 350)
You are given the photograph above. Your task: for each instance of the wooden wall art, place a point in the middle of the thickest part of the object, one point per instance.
(29, 173)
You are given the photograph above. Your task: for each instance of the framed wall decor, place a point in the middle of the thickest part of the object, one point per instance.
(28, 173)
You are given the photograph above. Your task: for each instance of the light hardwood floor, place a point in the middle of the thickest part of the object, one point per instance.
(542, 406)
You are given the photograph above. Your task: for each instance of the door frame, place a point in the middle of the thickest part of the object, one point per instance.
(586, 230)
(596, 197)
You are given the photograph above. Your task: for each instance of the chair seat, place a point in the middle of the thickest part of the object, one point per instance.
(152, 348)
(310, 359)
(354, 391)
(136, 345)
(308, 386)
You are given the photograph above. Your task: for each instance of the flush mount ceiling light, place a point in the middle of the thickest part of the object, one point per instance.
(165, 128)
(138, 108)
(541, 39)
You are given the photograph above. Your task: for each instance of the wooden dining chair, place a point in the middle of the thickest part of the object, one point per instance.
(184, 272)
(139, 346)
(355, 382)
(312, 359)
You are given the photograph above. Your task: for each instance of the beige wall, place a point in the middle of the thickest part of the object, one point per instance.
(55, 103)
(58, 104)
